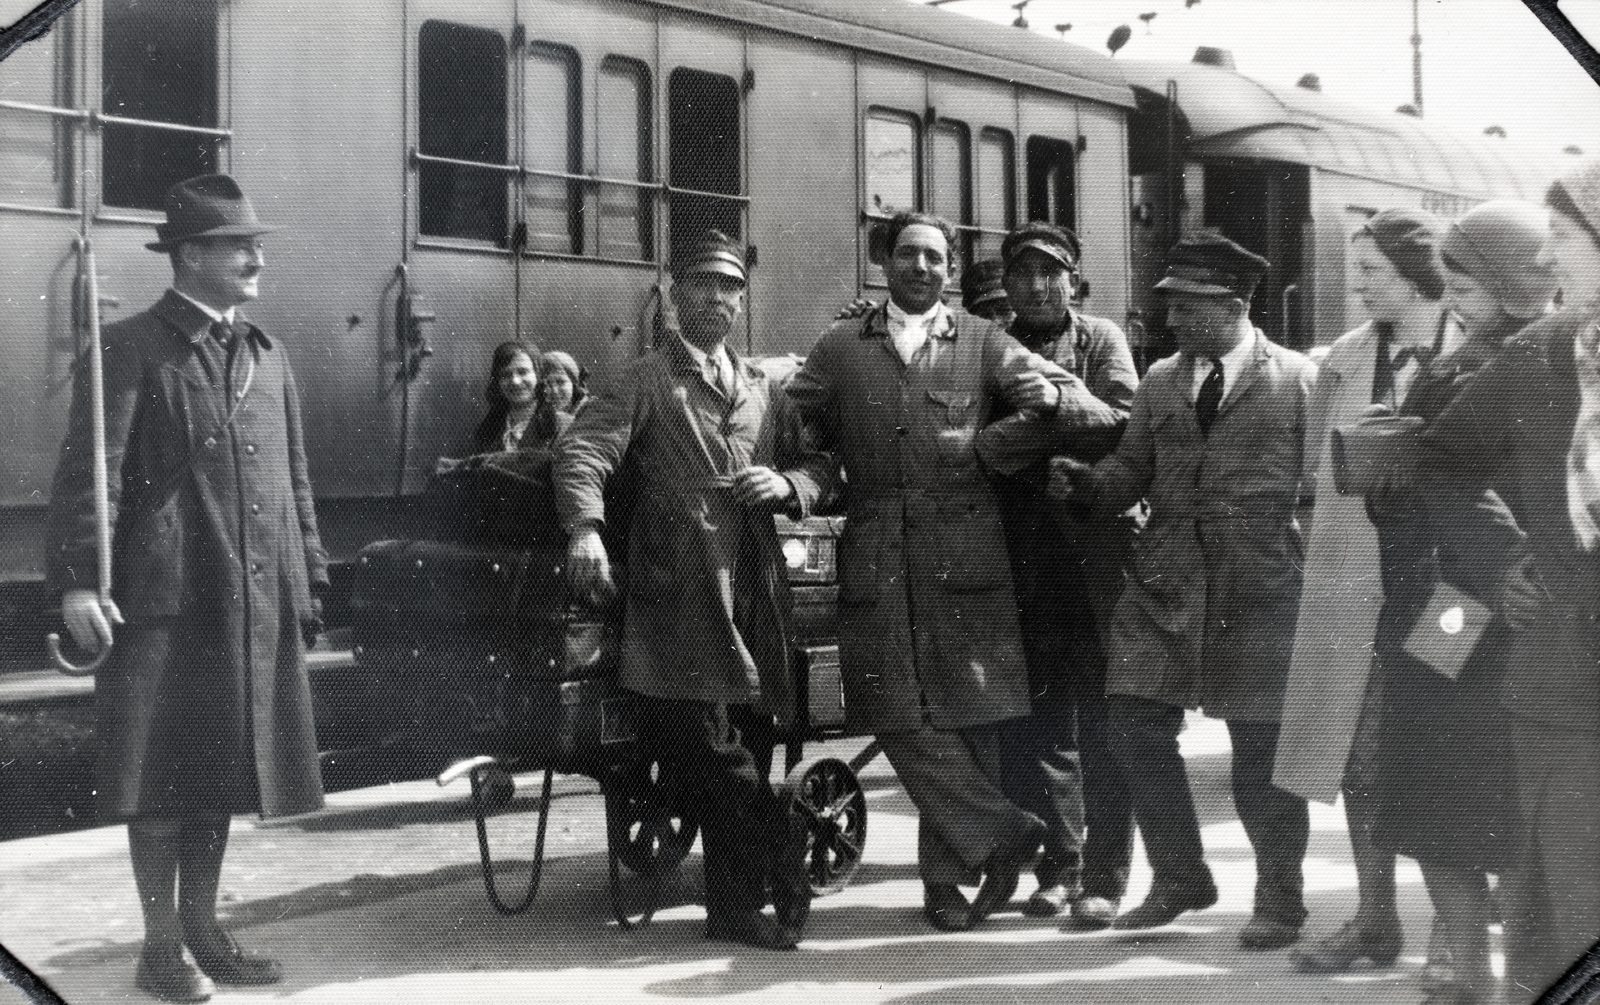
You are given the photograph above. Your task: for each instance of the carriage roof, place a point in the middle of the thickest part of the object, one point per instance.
(1229, 116)
(929, 35)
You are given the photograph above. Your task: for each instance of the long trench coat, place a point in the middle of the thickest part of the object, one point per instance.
(927, 621)
(707, 599)
(1332, 657)
(1208, 617)
(204, 704)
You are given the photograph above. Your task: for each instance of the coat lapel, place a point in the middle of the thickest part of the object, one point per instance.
(1247, 377)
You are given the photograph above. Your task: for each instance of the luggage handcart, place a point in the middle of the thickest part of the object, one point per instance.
(481, 658)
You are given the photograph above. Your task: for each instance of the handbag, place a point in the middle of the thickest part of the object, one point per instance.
(1448, 630)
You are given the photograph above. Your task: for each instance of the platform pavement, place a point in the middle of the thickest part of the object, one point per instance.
(378, 899)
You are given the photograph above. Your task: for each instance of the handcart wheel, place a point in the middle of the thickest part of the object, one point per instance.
(823, 796)
(645, 831)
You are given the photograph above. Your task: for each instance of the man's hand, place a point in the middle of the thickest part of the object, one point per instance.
(589, 568)
(88, 622)
(1034, 391)
(1069, 478)
(1520, 595)
(761, 488)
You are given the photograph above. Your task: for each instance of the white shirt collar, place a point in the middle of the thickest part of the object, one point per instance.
(1233, 363)
(207, 310)
(899, 319)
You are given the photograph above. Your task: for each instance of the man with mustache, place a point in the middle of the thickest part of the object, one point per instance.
(714, 447)
(203, 707)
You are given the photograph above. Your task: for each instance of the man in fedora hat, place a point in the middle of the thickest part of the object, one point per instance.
(715, 448)
(1214, 443)
(203, 706)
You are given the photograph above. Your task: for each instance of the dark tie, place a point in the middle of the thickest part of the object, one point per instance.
(225, 334)
(1390, 365)
(1209, 399)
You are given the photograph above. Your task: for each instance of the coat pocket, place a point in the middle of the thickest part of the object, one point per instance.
(954, 425)
(972, 554)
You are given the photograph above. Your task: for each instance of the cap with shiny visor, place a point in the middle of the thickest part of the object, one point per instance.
(714, 253)
(1209, 265)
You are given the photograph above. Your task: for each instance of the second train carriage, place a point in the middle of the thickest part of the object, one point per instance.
(1290, 173)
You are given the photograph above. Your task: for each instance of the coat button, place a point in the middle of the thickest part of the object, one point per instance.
(901, 430)
(255, 507)
(255, 568)
(249, 448)
(211, 443)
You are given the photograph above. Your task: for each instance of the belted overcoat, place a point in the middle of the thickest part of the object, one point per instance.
(204, 703)
(927, 621)
(707, 596)
(1207, 619)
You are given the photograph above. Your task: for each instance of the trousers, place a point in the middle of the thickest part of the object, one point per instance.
(1144, 736)
(717, 784)
(953, 777)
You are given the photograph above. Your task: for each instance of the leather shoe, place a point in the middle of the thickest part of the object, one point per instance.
(1089, 913)
(1048, 901)
(945, 908)
(164, 973)
(788, 873)
(1162, 907)
(1263, 932)
(221, 959)
(1004, 867)
(1352, 942)
(751, 928)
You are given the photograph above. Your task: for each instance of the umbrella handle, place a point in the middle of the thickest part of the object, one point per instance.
(52, 642)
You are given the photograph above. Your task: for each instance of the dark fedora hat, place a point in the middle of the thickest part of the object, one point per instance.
(211, 205)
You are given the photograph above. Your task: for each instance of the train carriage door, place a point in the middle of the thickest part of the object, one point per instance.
(453, 299)
(703, 63)
(1265, 207)
(589, 205)
(971, 161)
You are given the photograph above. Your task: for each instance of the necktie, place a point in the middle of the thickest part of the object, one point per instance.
(1209, 399)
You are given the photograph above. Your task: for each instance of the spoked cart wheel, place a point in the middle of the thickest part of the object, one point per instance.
(646, 831)
(492, 789)
(823, 796)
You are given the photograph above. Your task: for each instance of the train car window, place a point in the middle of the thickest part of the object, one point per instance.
(36, 147)
(552, 149)
(159, 68)
(893, 159)
(461, 115)
(703, 153)
(622, 124)
(995, 191)
(950, 179)
(1051, 188)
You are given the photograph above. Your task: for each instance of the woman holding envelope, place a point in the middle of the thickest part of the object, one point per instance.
(1442, 755)
(1528, 426)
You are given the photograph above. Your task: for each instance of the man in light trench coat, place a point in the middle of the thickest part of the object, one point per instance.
(1214, 442)
(715, 448)
(203, 705)
(929, 645)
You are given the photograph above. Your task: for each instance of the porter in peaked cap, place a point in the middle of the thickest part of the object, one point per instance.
(1209, 265)
(1057, 242)
(981, 291)
(210, 205)
(715, 252)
